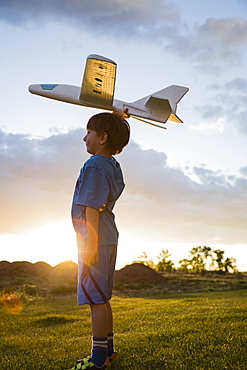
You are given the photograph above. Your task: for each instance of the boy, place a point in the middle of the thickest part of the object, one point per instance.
(99, 185)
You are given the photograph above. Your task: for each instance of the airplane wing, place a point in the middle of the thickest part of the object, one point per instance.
(96, 91)
(98, 82)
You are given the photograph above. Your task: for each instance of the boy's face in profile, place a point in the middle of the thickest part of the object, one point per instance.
(93, 142)
(96, 143)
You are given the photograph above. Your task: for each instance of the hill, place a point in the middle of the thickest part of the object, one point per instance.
(138, 273)
(24, 268)
(136, 279)
(61, 278)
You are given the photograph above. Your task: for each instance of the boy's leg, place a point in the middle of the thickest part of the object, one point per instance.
(99, 314)
(94, 285)
(102, 319)
(110, 335)
(109, 318)
(102, 326)
(99, 326)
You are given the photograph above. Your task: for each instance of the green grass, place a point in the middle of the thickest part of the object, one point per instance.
(186, 331)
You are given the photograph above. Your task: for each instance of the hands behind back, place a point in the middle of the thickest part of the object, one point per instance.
(91, 256)
(91, 251)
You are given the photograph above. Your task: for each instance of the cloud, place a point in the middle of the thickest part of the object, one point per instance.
(210, 127)
(164, 201)
(238, 84)
(128, 18)
(227, 105)
(38, 177)
(159, 21)
(243, 171)
(236, 94)
(215, 40)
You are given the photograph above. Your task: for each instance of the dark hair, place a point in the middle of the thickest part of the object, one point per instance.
(116, 127)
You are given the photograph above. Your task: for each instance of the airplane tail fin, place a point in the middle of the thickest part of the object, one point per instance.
(171, 93)
(175, 94)
(160, 105)
(174, 118)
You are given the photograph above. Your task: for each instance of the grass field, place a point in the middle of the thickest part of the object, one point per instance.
(182, 331)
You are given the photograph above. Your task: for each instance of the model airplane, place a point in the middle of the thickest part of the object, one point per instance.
(97, 91)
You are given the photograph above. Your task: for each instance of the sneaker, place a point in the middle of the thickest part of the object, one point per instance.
(87, 363)
(113, 356)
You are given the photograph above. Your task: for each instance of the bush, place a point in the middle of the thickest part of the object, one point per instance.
(30, 290)
(64, 289)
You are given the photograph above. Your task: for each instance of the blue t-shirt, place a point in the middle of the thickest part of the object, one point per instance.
(99, 185)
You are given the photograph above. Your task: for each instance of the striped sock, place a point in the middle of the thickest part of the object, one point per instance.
(99, 350)
(110, 337)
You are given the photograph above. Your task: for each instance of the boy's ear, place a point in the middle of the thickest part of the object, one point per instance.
(103, 138)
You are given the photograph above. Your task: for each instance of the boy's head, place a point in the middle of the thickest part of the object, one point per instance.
(116, 128)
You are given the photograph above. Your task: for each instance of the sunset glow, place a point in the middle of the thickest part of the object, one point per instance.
(185, 186)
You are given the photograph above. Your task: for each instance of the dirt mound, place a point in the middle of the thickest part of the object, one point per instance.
(138, 273)
(38, 269)
(42, 268)
(23, 268)
(65, 270)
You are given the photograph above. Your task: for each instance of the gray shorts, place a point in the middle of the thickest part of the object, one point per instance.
(95, 283)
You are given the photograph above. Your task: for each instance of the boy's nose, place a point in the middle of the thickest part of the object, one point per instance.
(84, 139)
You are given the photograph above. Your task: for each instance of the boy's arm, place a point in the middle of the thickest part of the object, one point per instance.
(91, 252)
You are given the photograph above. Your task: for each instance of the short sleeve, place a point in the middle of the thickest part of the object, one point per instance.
(94, 188)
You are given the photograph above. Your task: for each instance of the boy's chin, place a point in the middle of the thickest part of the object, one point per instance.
(90, 152)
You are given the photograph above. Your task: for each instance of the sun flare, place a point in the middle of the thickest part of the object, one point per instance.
(53, 243)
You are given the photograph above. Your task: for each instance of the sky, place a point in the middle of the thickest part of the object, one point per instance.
(185, 186)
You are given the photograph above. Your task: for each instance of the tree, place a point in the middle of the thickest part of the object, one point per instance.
(164, 263)
(197, 261)
(208, 256)
(228, 264)
(143, 258)
(219, 259)
(185, 265)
